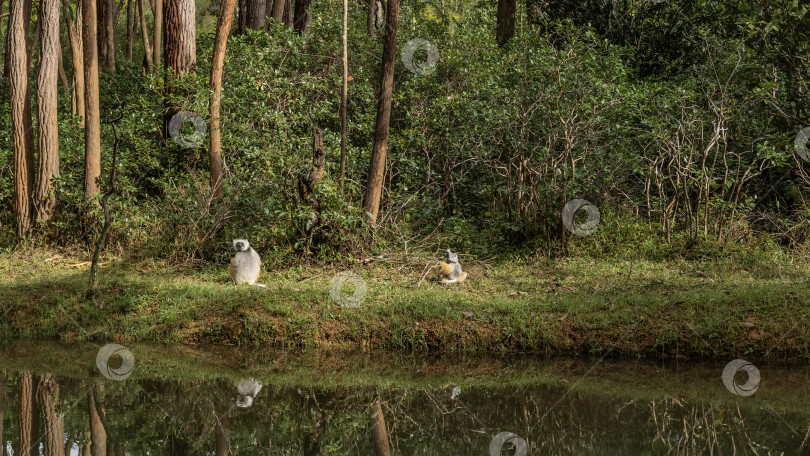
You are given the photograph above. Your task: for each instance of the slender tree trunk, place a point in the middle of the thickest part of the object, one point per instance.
(102, 6)
(48, 131)
(301, 19)
(109, 34)
(287, 15)
(372, 15)
(505, 28)
(101, 30)
(226, 9)
(308, 183)
(344, 96)
(240, 25)
(147, 48)
(98, 436)
(378, 429)
(53, 425)
(3, 69)
(92, 121)
(376, 173)
(85, 450)
(2, 400)
(256, 14)
(21, 129)
(74, 34)
(130, 27)
(157, 35)
(62, 75)
(6, 44)
(68, 444)
(278, 10)
(25, 420)
(180, 48)
(32, 45)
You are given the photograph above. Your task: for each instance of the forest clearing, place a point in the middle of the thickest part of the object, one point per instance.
(428, 227)
(668, 309)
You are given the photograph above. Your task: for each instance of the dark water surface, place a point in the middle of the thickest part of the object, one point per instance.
(158, 400)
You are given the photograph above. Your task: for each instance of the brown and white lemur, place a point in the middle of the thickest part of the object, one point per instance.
(450, 269)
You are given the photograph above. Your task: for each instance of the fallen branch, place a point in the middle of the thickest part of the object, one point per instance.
(426, 273)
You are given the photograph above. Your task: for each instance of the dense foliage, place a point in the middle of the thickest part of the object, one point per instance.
(676, 119)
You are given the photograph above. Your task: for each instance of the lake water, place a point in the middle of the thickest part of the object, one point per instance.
(164, 400)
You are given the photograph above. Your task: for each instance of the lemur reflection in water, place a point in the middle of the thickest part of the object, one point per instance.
(247, 389)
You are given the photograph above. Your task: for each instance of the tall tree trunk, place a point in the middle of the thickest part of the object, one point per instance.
(48, 131)
(308, 183)
(2, 398)
(21, 129)
(377, 420)
(53, 425)
(98, 436)
(92, 114)
(371, 18)
(110, 20)
(25, 418)
(62, 75)
(240, 25)
(32, 45)
(85, 450)
(101, 30)
(4, 48)
(147, 48)
(106, 10)
(344, 96)
(157, 31)
(226, 9)
(130, 27)
(505, 28)
(376, 173)
(74, 34)
(68, 444)
(287, 14)
(278, 10)
(256, 14)
(301, 19)
(180, 50)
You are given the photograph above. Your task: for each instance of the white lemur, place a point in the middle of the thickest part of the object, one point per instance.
(451, 270)
(245, 265)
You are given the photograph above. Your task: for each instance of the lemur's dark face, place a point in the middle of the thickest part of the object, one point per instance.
(240, 245)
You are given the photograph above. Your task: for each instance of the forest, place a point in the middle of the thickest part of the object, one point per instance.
(563, 149)
(529, 227)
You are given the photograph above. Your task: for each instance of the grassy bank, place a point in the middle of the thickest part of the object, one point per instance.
(714, 308)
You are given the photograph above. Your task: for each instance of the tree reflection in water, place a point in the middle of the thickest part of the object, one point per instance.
(318, 404)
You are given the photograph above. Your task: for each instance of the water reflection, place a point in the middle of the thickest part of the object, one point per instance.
(247, 390)
(198, 402)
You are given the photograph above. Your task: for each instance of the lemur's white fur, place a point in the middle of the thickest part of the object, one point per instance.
(245, 264)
